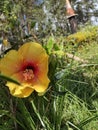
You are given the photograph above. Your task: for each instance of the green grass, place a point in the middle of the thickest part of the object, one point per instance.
(71, 101)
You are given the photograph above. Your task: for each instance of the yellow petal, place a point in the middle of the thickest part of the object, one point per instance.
(10, 63)
(32, 52)
(43, 66)
(18, 76)
(21, 91)
(41, 84)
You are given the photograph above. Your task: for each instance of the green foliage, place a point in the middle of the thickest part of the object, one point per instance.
(86, 35)
(70, 102)
(9, 79)
(50, 44)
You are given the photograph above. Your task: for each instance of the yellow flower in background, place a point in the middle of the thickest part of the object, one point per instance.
(28, 66)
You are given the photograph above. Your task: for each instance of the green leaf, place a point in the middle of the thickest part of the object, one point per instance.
(3, 112)
(9, 79)
(50, 44)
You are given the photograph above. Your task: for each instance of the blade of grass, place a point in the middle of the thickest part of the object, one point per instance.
(77, 128)
(9, 79)
(38, 115)
(86, 121)
(26, 116)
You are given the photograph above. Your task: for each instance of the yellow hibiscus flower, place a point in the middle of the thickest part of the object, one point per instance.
(28, 66)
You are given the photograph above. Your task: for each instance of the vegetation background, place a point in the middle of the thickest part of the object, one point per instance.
(71, 101)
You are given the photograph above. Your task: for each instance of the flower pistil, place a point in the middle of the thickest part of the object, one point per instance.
(28, 74)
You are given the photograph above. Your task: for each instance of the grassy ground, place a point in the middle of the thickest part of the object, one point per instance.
(71, 102)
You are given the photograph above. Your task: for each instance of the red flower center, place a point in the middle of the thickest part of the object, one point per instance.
(28, 72)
